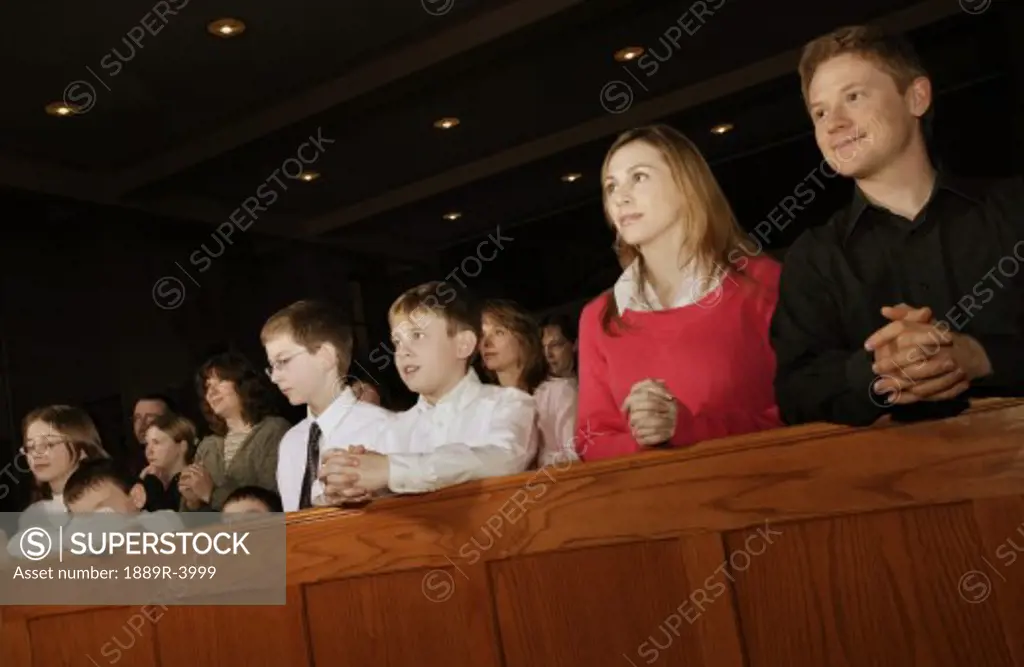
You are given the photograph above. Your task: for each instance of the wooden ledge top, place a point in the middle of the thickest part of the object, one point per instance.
(994, 415)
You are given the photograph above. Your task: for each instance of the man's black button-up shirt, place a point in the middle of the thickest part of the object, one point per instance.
(962, 256)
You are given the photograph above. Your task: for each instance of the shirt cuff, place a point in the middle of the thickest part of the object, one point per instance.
(861, 378)
(316, 494)
(408, 473)
(1006, 356)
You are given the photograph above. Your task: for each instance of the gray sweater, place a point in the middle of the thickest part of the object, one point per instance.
(255, 463)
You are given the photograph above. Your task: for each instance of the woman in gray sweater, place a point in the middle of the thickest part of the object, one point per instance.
(242, 451)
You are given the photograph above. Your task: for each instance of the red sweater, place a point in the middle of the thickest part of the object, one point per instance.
(714, 356)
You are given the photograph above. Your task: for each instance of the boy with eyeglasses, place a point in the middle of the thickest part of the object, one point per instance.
(309, 348)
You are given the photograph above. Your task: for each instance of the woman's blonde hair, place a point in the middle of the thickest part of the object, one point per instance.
(76, 427)
(713, 236)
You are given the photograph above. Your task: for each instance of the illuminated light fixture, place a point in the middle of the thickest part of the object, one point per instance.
(446, 123)
(722, 129)
(310, 176)
(629, 53)
(454, 215)
(569, 178)
(61, 109)
(226, 28)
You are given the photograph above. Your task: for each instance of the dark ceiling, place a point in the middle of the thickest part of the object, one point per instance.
(186, 125)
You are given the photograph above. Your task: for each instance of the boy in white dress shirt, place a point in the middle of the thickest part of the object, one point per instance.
(460, 429)
(309, 348)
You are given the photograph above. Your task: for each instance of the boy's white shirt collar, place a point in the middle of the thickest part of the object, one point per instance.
(330, 417)
(466, 390)
(626, 291)
(474, 431)
(160, 521)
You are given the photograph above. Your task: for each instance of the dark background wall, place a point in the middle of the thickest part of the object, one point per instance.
(82, 322)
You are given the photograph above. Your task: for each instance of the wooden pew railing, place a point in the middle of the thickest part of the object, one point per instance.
(817, 546)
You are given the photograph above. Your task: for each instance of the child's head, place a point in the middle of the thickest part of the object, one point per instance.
(867, 93)
(511, 343)
(56, 439)
(435, 331)
(366, 392)
(368, 388)
(98, 486)
(252, 499)
(309, 348)
(170, 441)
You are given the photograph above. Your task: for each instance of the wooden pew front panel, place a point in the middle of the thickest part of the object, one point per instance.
(898, 545)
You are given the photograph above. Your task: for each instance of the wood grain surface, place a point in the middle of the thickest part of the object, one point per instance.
(899, 544)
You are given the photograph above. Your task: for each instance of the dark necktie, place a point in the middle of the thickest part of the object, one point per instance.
(312, 466)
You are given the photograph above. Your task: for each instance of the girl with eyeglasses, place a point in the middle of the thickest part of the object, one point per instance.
(56, 439)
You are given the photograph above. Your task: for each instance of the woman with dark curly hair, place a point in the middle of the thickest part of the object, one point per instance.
(242, 451)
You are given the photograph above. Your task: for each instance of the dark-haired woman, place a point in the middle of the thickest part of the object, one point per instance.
(242, 451)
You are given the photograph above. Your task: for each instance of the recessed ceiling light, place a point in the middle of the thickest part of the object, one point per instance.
(722, 129)
(569, 178)
(629, 53)
(61, 109)
(446, 123)
(309, 176)
(454, 215)
(226, 27)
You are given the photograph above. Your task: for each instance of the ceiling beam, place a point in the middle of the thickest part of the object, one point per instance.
(268, 225)
(54, 180)
(403, 63)
(606, 125)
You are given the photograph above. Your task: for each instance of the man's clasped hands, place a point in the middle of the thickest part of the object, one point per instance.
(919, 359)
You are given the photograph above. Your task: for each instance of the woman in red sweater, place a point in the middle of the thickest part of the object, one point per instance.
(677, 351)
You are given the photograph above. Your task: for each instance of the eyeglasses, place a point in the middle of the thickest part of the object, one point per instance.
(279, 364)
(41, 448)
